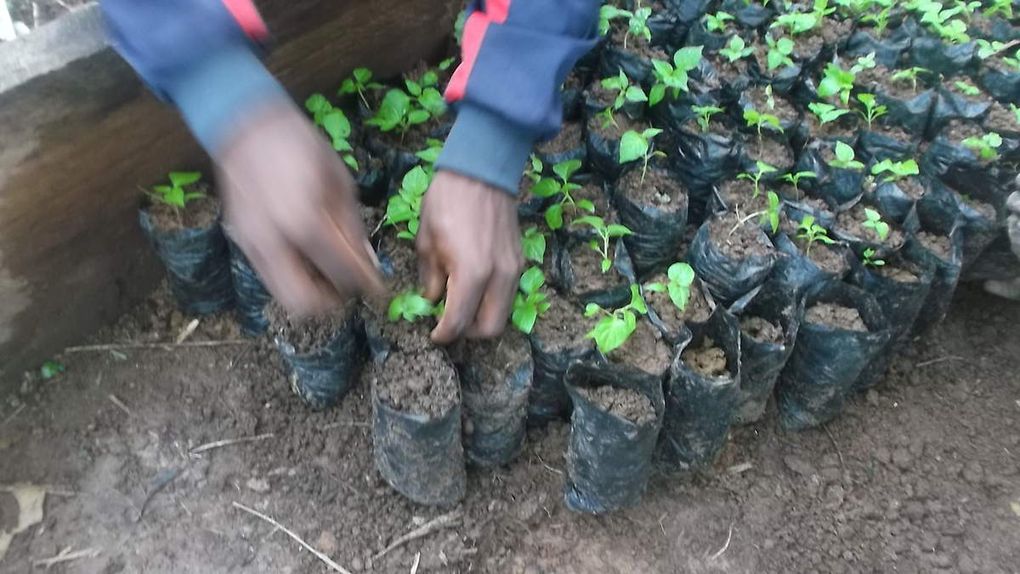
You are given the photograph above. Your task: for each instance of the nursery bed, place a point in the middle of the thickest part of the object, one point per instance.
(919, 475)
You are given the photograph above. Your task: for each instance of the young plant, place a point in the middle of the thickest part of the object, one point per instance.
(530, 302)
(718, 23)
(794, 178)
(809, 231)
(759, 120)
(405, 206)
(561, 185)
(533, 245)
(761, 169)
(872, 109)
(845, 158)
(826, 113)
(638, 146)
(605, 234)
(411, 306)
(736, 50)
(873, 221)
(910, 75)
(359, 83)
(869, 260)
(895, 170)
(625, 92)
(771, 215)
(779, 53)
(704, 115)
(675, 76)
(986, 146)
(680, 277)
(615, 327)
(175, 195)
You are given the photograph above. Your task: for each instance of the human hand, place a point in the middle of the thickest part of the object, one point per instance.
(290, 204)
(469, 246)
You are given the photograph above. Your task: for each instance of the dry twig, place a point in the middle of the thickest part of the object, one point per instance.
(325, 559)
(445, 521)
(228, 442)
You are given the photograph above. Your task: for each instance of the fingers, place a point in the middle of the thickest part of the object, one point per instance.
(494, 310)
(463, 294)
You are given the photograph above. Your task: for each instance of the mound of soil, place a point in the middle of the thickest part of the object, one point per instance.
(835, 316)
(624, 403)
(761, 330)
(307, 334)
(197, 214)
(706, 359)
(419, 381)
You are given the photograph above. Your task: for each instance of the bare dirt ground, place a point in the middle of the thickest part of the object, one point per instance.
(921, 474)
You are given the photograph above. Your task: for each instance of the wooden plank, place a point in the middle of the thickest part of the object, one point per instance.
(78, 142)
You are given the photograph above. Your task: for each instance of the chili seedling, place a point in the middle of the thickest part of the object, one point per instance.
(606, 233)
(809, 231)
(680, 277)
(845, 158)
(561, 185)
(615, 327)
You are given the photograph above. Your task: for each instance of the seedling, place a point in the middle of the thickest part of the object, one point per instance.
(533, 245)
(845, 158)
(839, 82)
(986, 146)
(175, 195)
(615, 327)
(910, 75)
(872, 109)
(411, 306)
(895, 170)
(761, 169)
(794, 178)
(625, 92)
(606, 233)
(869, 259)
(704, 115)
(405, 206)
(759, 120)
(772, 212)
(718, 23)
(873, 221)
(967, 89)
(561, 185)
(809, 231)
(680, 277)
(359, 83)
(638, 146)
(780, 52)
(50, 369)
(736, 49)
(826, 113)
(530, 302)
(675, 76)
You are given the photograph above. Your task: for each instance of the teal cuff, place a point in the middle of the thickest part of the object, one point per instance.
(215, 95)
(486, 147)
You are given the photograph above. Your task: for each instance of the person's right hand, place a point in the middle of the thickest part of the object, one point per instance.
(291, 205)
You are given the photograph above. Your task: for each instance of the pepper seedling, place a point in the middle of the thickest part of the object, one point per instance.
(826, 113)
(405, 206)
(872, 109)
(895, 170)
(869, 260)
(529, 302)
(845, 158)
(175, 195)
(675, 76)
(986, 146)
(638, 146)
(771, 215)
(680, 277)
(736, 50)
(910, 75)
(809, 231)
(615, 327)
(561, 185)
(359, 83)
(606, 233)
(779, 53)
(761, 169)
(718, 23)
(704, 115)
(759, 120)
(411, 306)
(533, 245)
(873, 221)
(794, 179)
(625, 92)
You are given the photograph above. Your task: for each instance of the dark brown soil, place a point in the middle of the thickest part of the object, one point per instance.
(835, 316)
(494, 358)
(697, 310)
(658, 189)
(613, 132)
(627, 404)
(421, 381)
(645, 350)
(198, 213)
(939, 245)
(761, 330)
(770, 151)
(570, 137)
(309, 334)
(851, 222)
(706, 359)
(563, 326)
(738, 240)
(1001, 119)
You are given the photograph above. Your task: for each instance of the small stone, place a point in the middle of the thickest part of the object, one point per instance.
(259, 485)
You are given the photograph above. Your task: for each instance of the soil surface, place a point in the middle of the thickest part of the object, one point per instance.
(309, 334)
(645, 350)
(919, 475)
(836, 316)
(659, 189)
(420, 381)
(200, 213)
(625, 403)
(738, 241)
(761, 330)
(705, 358)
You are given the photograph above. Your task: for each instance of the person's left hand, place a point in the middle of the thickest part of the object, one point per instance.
(469, 246)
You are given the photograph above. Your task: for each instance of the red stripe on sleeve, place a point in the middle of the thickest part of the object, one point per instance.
(248, 18)
(496, 12)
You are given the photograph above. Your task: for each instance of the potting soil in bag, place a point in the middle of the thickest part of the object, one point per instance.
(731, 258)
(558, 340)
(416, 423)
(654, 208)
(323, 354)
(197, 261)
(842, 332)
(249, 292)
(616, 420)
(702, 393)
(768, 328)
(495, 377)
(945, 255)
